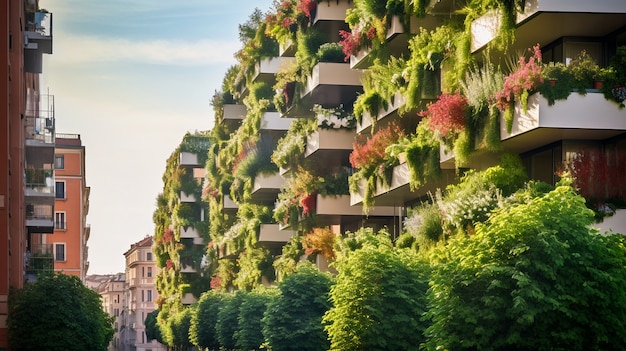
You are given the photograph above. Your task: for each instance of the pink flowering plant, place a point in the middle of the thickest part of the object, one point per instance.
(446, 116)
(524, 79)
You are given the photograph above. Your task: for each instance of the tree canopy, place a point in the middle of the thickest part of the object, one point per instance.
(56, 313)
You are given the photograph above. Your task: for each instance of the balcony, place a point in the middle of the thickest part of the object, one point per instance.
(87, 232)
(189, 233)
(397, 44)
(544, 21)
(398, 192)
(388, 114)
(39, 183)
(37, 40)
(266, 69)
(266, 187)
(330, 84)
(329, 144)
(273, 121)
(331, 210)
(189, 198)
(188, 159)
(287, 49)
(188, 269)
(39, 215)
(40, 121)
(38, 260)
(234, 114)
(330, 16)
(188, 299)
(229, 205)
(616, 222)
(271, 236)
(588, 117)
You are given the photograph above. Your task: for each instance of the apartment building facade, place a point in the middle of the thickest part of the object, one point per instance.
(71, 231)
(139, 298)
(545, 135)
(26, 150)
(112, 289)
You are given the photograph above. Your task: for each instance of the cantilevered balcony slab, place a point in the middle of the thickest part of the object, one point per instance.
(287, 49)
(274, 121)
(188, 269)
(330, 85)
(588, 117)
(189, 233)
(388, 114)
(266, 187)
(270, 235)
(188, 159)
(266, 69)
(189, 198)
(330, 210)
(396, 44)
(544, 21)
(229, 204)
(399, 192)
(329, 145)
(616, 223)
(330, 16)
(188, 299)
(234, 114)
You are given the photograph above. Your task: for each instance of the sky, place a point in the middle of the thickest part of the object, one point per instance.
(132, 77)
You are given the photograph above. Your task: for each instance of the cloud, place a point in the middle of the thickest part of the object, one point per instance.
(77, 49)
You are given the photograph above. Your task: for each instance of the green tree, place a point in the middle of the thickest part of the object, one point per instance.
(378, 299)
(533, 277)
(58, 312)
(227, 320)
(250, 335)
(152, 329)
(180, 323)
(203, 322)
(293, 321)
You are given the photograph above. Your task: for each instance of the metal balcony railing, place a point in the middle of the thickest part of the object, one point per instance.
(40, 118)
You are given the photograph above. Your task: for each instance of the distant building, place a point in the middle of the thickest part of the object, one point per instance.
(140, 295)
(111, 288)
(71, 206)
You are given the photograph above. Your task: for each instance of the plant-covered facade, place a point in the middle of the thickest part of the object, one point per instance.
(412, 124)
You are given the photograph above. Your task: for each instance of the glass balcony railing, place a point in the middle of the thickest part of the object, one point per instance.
(38, 260)
(40, 118)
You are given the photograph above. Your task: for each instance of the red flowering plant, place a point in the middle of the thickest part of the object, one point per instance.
(355, 40)
(599, 177)
(283, 23)
(446, 116)
(373, 163)
(519, 84)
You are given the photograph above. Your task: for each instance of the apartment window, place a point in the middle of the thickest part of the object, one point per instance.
(149, 272)
(59, 161)
(149, 256)
(149, 295)
(59, 220)
(143, 299)
(59, 252)
(59, 190)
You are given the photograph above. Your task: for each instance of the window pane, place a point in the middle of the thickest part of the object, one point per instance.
(59, 190)
(59, 161)
(59, 252)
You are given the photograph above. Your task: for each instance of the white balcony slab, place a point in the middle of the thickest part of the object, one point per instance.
(189, 198)
(274, 121)
(189, 233)
(580, 117)
(331, 73)
(188, 299)
(229, 204)
(334, 10)
(616, 223)
(340, 205)
(543, 21)
(266, 69)
(234, 114)
(267, 181)
(391, 110)
(329, 139)
(271, 233)
(189, 159)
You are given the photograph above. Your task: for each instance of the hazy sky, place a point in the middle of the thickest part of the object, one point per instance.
(132, 77)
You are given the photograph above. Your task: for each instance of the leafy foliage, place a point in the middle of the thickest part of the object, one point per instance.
(378, 300)
(532, 267)
(202, 332)
(57, 312)
(293, 321)
(249, 335)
